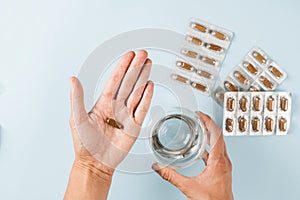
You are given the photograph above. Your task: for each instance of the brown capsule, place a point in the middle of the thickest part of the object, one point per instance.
(219, 35)
(194, 40)
(270, 103)
(185, 66)
(229, 86)
(266, 82)
(230, 104)
(199, 27)
(241, 78)
(242, 124)
(204, 74)
(269, 124)
(214, 47)
(284, 103)
(199, 86)
(114, 123)
(282, 124)
(250, 68)
(256, 103)
(260, 58)
(243, 104)
(255, 124)
(208, 60)
(229, 125)
(275, 71)
(180, 78)
(189, 53)
(254, 89)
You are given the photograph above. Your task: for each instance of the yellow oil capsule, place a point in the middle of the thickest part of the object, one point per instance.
(199, 86)
(282, 124)
(242, 124)
(269, 124)
(256, 103)
(275, 71)
(250, 68)
(114, 123)
(194, 40)
(204, 74)
(270, 103)
(219, 35)
(255, 124)
(260, 58)
(229, 125)
(266, 82)
(284, 103)
(243, 104)
(199, 27)
(254, 89)
(185, 66)
(189, 53)
(180, 78)
(230, 104)
(214, 47)
(229, 86)
(241, 78)
(208, 60)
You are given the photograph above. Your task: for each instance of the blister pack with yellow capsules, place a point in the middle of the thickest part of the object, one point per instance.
(203, 52)
(257, 113)
(256, 72)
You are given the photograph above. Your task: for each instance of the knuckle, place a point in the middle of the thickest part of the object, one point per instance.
(167, 175)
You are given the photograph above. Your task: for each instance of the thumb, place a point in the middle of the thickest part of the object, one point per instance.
(78, 112)
(170, 175)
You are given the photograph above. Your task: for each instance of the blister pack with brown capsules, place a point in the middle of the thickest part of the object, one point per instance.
(257, 113)
(203, 52)
(256, 72)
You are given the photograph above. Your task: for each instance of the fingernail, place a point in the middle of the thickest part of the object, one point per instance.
(155, 166)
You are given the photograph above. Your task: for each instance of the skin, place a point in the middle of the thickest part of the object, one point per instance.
(92, 173)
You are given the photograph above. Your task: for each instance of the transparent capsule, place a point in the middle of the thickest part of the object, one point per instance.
(241, 78)
(194, 40)
(282, 124)
(284, 103)
(198, 27)
(243, 104)
(229, 125)
(255, 124)
(269, 124)
(256, 103)
(254, 89)
(242, 124)
(208, 60)
(270, 103)
(250, 68)
(275, 71)
(230, 104)
(199, 86)
(180, 78)
(189, 53)
(229, 86)
(185, 66)
(219, 35)
(214, 47)
(204, 74)
(266, 82)
(260, 58)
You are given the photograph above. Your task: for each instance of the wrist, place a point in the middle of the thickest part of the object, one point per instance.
(94, 170)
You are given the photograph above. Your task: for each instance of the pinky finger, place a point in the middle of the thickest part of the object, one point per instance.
(144, 104)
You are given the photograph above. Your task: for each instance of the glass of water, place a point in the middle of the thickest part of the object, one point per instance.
(178, 137)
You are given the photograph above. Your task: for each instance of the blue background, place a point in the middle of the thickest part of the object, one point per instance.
(43, 43)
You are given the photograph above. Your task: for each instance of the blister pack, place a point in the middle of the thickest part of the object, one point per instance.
(257, 113)
(256, 72)
(204, 50)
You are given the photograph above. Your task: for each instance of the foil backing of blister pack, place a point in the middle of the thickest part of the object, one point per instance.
(256, 113)
(256, 72)
(203, 52)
